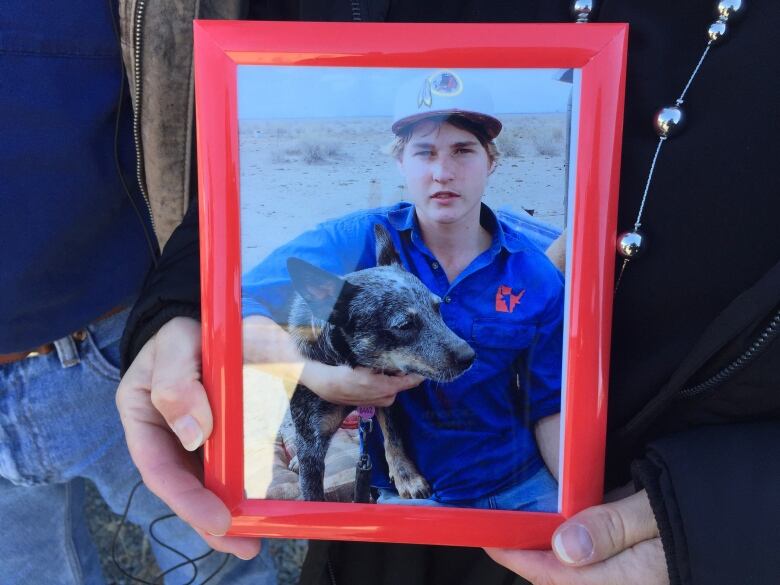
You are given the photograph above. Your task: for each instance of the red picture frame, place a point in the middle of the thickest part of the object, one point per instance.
(598, 51)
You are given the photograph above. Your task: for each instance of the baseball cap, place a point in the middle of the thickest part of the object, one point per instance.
(441, 93)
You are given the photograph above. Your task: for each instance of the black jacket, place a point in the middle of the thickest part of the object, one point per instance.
(705, 291)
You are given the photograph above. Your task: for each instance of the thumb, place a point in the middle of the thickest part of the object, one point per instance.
(176, 389)
(601, 532)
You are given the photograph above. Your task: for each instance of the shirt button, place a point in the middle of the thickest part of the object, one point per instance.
(435, 265)
(447, 299)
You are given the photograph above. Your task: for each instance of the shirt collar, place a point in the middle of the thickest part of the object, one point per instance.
(403, 219)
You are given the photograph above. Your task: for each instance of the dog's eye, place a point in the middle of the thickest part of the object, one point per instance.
(410, 323)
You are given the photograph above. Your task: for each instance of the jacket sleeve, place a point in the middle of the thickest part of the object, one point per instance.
(714, 492)
(171, 289)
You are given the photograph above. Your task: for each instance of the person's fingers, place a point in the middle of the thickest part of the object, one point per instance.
(381, 390)
(409, 381)
(384, 401)
(161, 392)
(538, 567)
(174, 476)
(600, 532)
(167, 470)
(359, 386)
(243, 548)
(643, 563)
(394, 384)
(176, 390)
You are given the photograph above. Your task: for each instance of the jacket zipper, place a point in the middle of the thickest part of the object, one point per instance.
(139, 162)
(356, 12)
(739, 364)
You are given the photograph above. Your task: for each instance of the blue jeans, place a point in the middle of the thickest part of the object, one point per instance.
(58, 427)
(539, 493)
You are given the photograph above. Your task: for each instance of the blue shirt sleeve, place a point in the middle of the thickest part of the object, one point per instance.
(339, 246)
(545, 362)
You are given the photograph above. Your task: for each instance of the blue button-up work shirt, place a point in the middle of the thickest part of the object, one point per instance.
(474, 436)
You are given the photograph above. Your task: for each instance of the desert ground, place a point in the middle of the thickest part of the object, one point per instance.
(297, 173)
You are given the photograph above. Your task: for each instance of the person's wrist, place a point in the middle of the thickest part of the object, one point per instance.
(316, 377)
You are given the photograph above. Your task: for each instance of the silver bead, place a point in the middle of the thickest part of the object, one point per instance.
(668, 121)
(582, 10)
(631, 244)
(728, 9)
(717, 31)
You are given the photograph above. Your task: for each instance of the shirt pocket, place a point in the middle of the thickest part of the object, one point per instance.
(494, 333)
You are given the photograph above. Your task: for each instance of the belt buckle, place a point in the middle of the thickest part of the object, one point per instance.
(12, 358)
(40, 351)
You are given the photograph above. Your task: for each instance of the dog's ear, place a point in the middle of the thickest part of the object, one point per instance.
(386, 254)
(319, 288)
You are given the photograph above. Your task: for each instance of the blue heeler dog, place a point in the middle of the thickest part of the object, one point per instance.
(383, 318)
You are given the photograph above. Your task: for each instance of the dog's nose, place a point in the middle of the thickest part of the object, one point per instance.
(464, 356)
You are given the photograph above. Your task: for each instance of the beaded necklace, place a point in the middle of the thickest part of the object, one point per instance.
(668, 120)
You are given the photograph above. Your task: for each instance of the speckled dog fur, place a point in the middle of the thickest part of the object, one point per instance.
(383, 318)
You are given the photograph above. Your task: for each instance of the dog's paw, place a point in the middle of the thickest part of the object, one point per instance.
(410, 484)
(293, 465)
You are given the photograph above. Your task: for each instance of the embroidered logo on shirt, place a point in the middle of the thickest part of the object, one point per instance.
(505, 300)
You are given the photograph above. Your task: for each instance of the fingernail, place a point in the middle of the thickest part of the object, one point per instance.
(247, 557)
(573, 544)
(188, 431)
(216, 533)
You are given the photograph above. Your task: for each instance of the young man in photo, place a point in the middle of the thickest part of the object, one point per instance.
(497, 290)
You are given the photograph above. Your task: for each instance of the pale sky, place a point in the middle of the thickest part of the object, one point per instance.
(272, 91)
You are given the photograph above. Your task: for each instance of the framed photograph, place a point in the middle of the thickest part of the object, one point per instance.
(407, 250)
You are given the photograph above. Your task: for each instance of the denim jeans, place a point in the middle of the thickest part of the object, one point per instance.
(539, 493)
(58, 427)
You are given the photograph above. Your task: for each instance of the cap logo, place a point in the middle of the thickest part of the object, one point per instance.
(441, 83)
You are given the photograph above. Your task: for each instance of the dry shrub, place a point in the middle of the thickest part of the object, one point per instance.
(320, 152)
(278, 157)
(549, 142)
(508, 146)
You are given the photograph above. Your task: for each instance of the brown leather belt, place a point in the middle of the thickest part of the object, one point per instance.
(80, 335)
